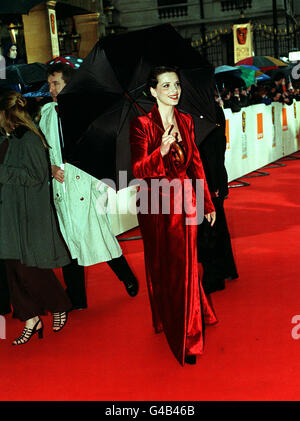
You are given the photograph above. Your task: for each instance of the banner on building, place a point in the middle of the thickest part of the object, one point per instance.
(53, 33)
(242, 41)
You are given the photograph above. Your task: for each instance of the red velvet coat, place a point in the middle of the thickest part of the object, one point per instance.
(176, 297)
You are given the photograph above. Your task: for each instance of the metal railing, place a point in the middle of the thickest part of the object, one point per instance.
(172, 11)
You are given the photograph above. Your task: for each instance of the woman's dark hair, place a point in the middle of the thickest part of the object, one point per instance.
(159, 70)
(7, 48)
(13, 105)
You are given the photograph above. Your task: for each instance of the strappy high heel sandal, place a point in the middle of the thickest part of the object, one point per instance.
(28, 333)
(59, 321)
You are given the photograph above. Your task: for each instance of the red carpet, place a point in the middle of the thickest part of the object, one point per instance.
(110, 351)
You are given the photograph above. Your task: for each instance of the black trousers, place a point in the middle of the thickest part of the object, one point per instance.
(34, 291)
(4, 291)
(75, 282)
(74, 278)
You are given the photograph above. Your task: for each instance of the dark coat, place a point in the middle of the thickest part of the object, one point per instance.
(212, 152)
(214, 243)
(28, 226)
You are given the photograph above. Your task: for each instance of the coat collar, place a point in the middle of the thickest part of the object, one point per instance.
(154, 115)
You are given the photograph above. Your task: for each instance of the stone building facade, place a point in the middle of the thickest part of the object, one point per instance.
(208, 23)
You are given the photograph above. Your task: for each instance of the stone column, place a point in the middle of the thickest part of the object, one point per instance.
(88, 28)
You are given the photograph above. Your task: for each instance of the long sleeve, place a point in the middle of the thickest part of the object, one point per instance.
(144, 164)
(49, 126)
(35, 166)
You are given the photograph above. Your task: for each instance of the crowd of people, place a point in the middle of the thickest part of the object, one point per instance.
(49, 217)
(275, 90)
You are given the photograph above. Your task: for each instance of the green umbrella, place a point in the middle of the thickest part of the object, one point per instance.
(248, 75)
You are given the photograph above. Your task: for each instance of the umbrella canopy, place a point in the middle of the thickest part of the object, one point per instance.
(259, 75)
(109, 89)
(263, 62)
(258, 72)
(248, 75)
(225, 69)
(18, 6)
(42, 91)
(229, 76)
(283, 71)
(73, 61)
(24, 74)
(263, 78)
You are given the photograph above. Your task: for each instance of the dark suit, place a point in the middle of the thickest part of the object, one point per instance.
(4, 292)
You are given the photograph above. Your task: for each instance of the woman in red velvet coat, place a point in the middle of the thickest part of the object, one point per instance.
(179, 306)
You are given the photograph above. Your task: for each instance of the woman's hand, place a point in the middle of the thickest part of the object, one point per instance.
(211, 217)
(57, 173)
(166, 141)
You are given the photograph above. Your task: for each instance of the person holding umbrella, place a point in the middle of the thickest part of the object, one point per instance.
(214, 243)
(30, 242)
(178, 303)
(10, 53)
(77, 199)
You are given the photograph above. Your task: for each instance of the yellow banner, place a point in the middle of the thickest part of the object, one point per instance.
(53, 33)
(242, 41)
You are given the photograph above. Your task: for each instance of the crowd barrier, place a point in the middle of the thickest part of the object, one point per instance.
(256, 136)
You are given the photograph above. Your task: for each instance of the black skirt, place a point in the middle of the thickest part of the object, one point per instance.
(34, 291)
(215, 251)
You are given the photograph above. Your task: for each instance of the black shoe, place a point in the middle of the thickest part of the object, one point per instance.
(190, 359)
(59, 321)
(29, 332)
(132, 286)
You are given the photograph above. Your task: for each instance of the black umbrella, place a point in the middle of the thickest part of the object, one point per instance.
(286, 72)
(229, 80)
(18, 6)
(24, 74)
(108, 91)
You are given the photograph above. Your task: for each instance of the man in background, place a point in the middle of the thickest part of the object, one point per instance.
(76, 194)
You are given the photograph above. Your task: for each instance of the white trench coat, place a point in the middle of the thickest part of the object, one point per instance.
(81, 203)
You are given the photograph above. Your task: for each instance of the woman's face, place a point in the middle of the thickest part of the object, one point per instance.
(168, 89)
